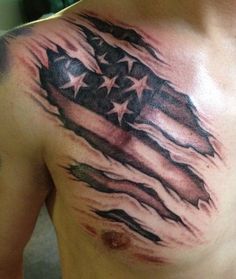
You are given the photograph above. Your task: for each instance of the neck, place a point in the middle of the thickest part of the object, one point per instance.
(210, 16)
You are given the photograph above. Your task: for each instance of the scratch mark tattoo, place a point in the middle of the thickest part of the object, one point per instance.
(100, 181)
(121, 216)
(127, 35)
(129, 114)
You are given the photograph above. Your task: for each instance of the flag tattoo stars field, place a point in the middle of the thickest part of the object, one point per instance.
(132, 115)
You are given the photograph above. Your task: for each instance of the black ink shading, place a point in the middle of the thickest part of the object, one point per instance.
(121, 33)
(101, 182)
(4, 45)
(120, 112)
(3, 56)
(20, 31)
(121, 216)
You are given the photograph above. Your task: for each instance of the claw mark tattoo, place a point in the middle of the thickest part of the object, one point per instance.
(124, 110)
(99, 181)
(122, 217)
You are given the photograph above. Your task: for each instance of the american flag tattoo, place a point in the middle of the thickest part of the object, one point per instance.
(123, 109)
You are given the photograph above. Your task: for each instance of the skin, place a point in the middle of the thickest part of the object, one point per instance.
(114, 195)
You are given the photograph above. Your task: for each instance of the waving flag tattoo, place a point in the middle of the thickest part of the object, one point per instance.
(122, 108)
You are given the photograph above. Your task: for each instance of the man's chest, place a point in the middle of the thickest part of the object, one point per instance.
(136, 143)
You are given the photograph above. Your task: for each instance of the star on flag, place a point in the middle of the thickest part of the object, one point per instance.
(139, 85)
(120, 109)
(68, 62)
(109, 84)
(98, 40)
(76, 82)
(102, 59)
(130, 61)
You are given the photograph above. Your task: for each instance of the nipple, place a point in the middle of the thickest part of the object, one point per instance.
(116, 240)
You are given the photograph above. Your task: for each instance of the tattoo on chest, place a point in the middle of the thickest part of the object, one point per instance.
(111, 98)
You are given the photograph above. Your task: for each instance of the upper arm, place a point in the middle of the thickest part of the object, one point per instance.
(23, 177)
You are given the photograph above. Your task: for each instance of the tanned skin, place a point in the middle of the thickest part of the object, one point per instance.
(119, 122)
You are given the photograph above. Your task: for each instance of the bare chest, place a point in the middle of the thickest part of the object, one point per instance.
(136, 148)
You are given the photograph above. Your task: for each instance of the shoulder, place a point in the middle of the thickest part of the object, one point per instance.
(24, 53)
(16, 110)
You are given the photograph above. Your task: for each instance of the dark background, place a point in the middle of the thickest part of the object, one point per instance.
(41, 257)
(34, 9)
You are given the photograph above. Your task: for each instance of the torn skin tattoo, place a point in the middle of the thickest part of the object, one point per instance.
(121, 216)
(122, 109)
(101, 182)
